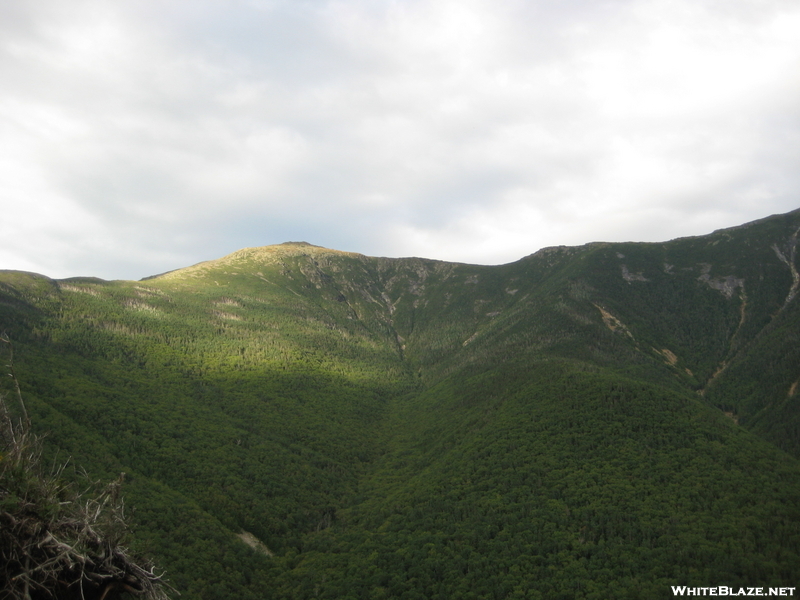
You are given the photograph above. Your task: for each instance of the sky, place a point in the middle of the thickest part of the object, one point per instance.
(140, 136)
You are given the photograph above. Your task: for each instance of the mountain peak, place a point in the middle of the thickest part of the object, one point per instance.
(259, 254)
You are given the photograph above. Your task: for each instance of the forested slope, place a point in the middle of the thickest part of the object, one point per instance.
(596, 421)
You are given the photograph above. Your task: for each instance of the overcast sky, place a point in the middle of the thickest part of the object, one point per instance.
(139, 136)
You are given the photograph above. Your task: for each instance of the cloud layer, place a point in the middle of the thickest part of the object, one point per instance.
(143, 136)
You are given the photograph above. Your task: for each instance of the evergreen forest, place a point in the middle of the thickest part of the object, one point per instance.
(593, 422)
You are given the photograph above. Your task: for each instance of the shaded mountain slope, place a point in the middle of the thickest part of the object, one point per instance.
(547, 481)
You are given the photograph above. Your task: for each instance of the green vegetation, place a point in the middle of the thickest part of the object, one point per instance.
(56, 540)
(296, 422)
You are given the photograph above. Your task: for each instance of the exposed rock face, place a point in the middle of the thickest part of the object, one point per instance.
(628, 276)
(727, 285)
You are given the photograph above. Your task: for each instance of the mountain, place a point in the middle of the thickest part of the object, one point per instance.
(600, 421)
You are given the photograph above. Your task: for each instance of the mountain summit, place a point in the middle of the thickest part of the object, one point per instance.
(298, 422)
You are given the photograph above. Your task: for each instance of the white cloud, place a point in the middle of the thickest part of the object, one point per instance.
(142, 136)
